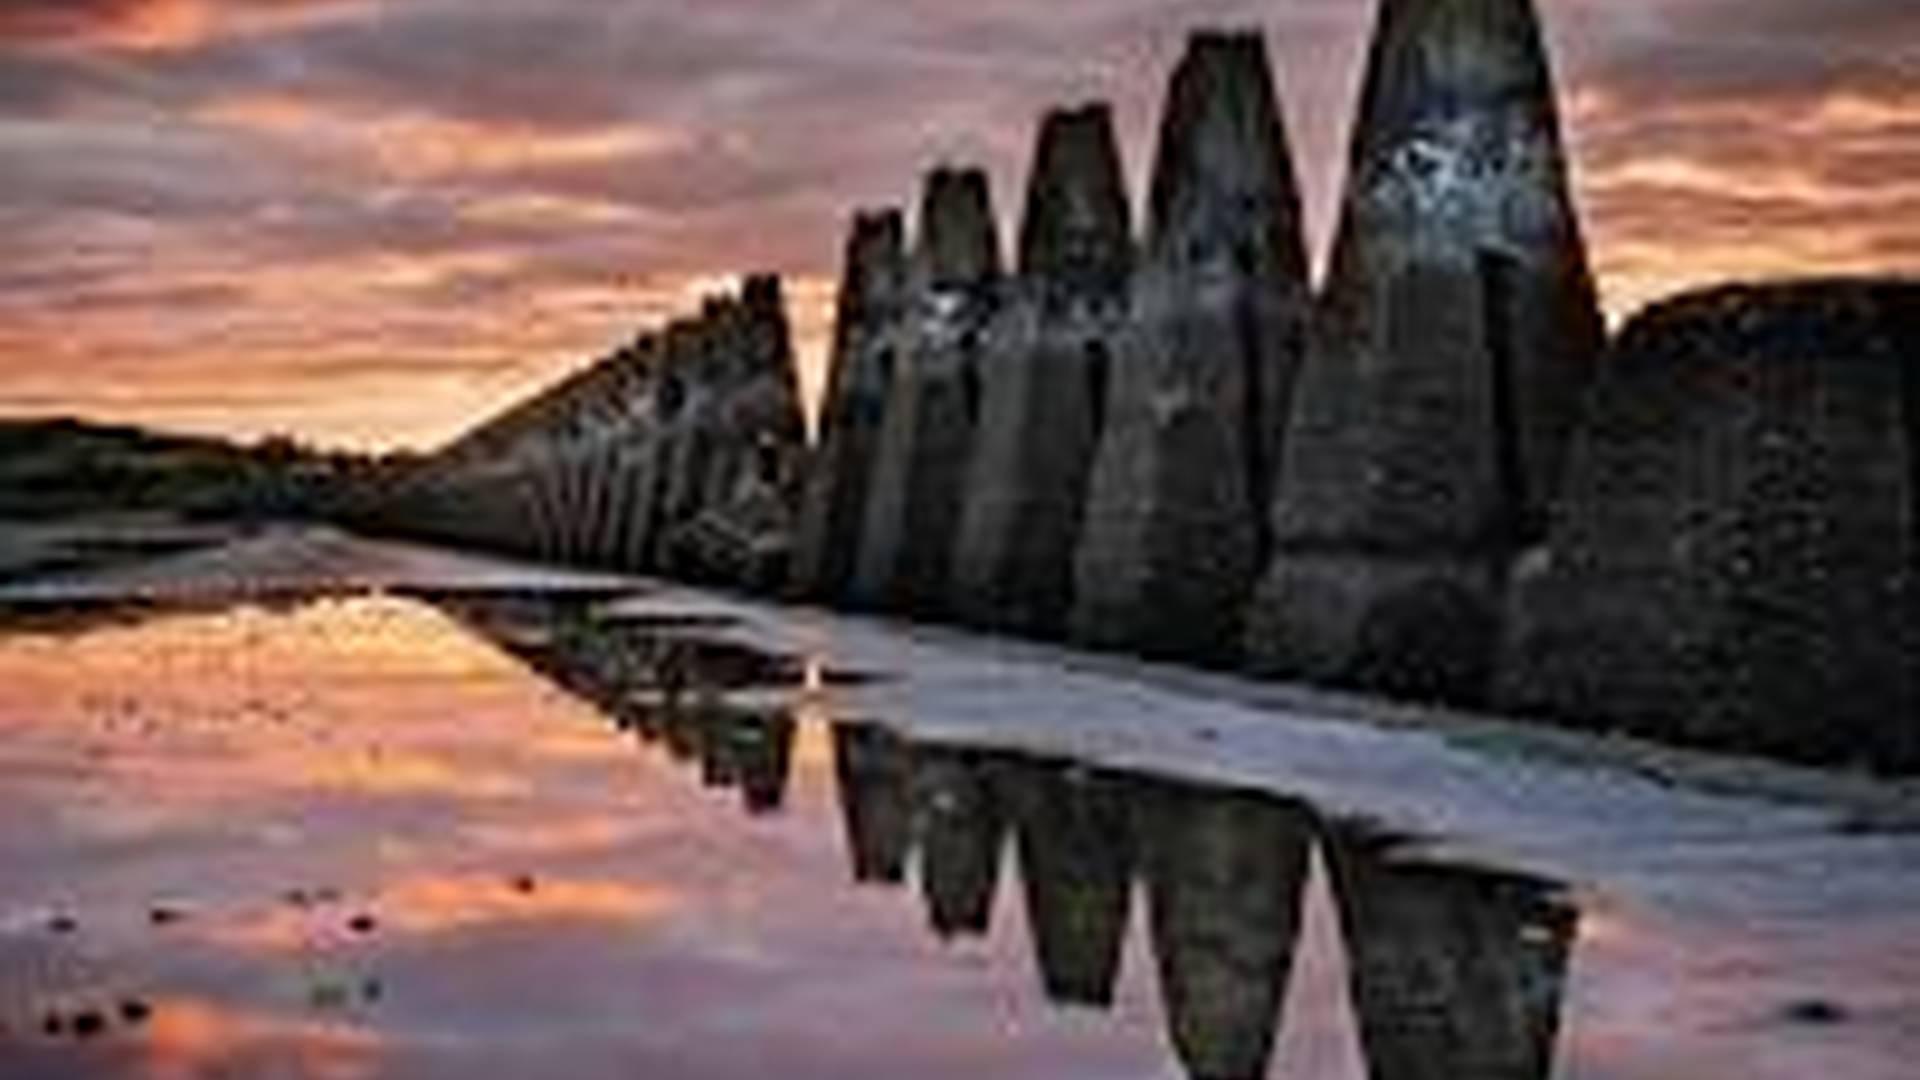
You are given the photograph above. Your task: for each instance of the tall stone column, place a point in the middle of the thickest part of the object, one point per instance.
(865, 356)
(1456, 333)
(1732, 561)
(927, 436)
(1172, 536)
(1046, 381)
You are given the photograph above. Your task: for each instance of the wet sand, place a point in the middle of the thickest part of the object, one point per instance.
(316, 805)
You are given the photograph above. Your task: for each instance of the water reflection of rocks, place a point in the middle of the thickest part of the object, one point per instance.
(1455, 972)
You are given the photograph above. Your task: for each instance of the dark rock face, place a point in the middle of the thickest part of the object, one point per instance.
(1172, 535)
(1455, 335)
(1455, 972)
(1046, 383)
(1732, 560)
(933, 408)
(865, 356)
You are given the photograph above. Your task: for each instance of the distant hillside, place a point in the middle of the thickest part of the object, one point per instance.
(63, 468)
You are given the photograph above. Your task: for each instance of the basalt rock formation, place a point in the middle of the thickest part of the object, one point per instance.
(1454, 337)
(864, 359)
(1172, 536)
(1732, 559)
(914, 501)
(1046, 383)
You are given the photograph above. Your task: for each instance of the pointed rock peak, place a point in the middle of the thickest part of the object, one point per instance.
(959, 245)
(1458, 83)
(875, 257)
(1223, 183)
(1077, 222)
(762, 295)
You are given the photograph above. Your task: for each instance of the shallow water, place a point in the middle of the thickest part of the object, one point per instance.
(463, 836)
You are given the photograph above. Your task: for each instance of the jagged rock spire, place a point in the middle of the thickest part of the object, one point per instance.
(933, 406)
(1456, 333)
(864, 357)
(1174, 526)
(1046, 378)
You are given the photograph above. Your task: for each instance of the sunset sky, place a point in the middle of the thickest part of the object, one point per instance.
(369, 222)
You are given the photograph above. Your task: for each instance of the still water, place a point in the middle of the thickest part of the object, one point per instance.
(462, 836)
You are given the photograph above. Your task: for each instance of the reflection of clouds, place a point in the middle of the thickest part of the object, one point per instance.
(182, 720)
(189, 1039)
(447, 904)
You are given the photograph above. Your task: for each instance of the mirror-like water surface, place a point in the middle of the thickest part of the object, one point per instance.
(500, 837)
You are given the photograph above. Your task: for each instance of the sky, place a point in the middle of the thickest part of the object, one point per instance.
(368, 223)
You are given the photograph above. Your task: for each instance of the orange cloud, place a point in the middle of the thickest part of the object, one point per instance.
(147, 25)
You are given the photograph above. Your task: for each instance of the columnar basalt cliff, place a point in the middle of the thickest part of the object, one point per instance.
(1455, 334)
(914, 502)
(1732, 560)
(861, 368)
(1046, 379)
(1172, 536)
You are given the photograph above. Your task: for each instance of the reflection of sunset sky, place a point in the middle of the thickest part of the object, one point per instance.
(371, 220)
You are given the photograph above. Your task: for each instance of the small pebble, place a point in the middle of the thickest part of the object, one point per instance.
(524, 883)
(62, 924)
(53, 1024)
(1815, 1011)
(361, 924)
(163, 916)
(135, 1011)
(371, 990)
(88, 1023)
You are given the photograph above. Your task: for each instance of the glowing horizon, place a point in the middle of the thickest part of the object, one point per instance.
(371, 223)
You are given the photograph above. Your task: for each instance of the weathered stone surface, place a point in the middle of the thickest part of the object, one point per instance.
(1731, 562)
(744, 488)
(927, 435)
(1046, 382)
(865, 355)
(1225, 875)
(1172, 535)
(1455, 335)
(1456, 972)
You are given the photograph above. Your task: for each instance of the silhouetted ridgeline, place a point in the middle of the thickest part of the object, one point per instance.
(1410, 482)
